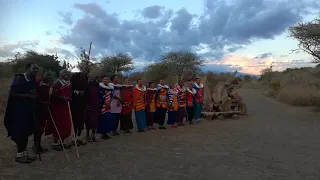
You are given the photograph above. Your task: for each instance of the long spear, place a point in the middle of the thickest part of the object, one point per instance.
(74, 134)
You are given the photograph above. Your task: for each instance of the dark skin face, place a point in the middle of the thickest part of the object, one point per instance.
(171, 85)
(181, 84)
(105, 80)
(126, 81)
(47, 78)
(190, 86)
(162, 82)
(32, 71)
(198, 81)
(140, 82)
(115, 80)
(152, 85)
(66, 76)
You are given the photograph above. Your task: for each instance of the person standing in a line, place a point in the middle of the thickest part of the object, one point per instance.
(59, 99)
(182, 103)
(161, 103)
(126, 113)
(92, 115)
(139, 105)
(173, 106)
(44, 92)
(190, 102)
(198, 86)
(79, 85)
(116, 104)
(20, 117)
(105, 118)
(151, 105)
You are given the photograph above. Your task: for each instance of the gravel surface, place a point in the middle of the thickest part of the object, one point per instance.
(275, 141)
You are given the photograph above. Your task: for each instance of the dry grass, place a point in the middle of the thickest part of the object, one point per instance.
(298, 87)
(4, 86)
(299, 96)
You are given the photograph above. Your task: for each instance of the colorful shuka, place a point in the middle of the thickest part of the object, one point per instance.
(92, 114)
(182, 103)
(173, 106)
(150, 106)
(79, 82)
(161, 103)
(126, 112)
(60, 110)
(190, 95)
(139, 105)
(105, 119)
(198, 100)
(19, 118)
(116, 107)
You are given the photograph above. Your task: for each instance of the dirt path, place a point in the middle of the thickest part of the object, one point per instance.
(275, 142)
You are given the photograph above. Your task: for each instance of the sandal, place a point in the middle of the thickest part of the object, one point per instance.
(23, 160)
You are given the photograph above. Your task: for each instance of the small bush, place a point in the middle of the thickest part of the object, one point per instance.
(275, 86)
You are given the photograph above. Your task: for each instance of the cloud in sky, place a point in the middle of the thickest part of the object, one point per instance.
(222, 29)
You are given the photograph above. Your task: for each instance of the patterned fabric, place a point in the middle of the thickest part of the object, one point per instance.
(199, 92)
(139, 98)
(92, 115)
(150, 100)
(173, 100)
(105, 98)
(181, 95)
(190, 96)
(115, 106)
(126, 96)
(162, 96)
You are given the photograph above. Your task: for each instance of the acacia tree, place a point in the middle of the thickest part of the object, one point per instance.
(308, 35)
(182, 64)
(116, 64)
(44, 61)
(267, 73)
(156, 71)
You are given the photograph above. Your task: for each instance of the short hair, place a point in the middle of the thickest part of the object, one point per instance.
(64, 72)
(103, 76)
(28, 65)
(151, 82)
(197, 78)
(126, 78)
(112, 77)
(138, 80)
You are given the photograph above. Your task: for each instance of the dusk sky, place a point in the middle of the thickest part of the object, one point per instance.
(244, 35)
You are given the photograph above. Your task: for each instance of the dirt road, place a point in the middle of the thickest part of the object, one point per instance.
(274, 142)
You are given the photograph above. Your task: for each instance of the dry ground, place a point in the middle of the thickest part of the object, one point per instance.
(275, 141)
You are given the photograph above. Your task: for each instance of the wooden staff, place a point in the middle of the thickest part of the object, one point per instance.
(74, 134)
(65, 152)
